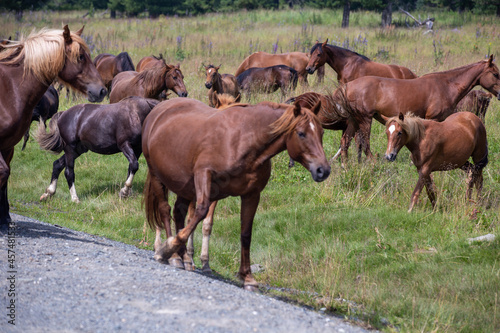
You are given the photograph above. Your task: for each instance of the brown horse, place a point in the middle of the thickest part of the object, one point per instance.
(296, 60)
(189, 160)
(103, 129)
(431, 96)
(350, 65)
(220, 84)
(109, 65)
(150, 62)
(477, 102)
(268, 80)
(440, 146)
(149, 83)
(26, 70)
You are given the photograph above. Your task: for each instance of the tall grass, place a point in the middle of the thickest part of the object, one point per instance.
(346, 245)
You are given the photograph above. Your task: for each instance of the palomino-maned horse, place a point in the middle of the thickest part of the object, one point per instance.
(219, 84)
(45, 109)
(27, 68)
(350, 65)
(431, 96)
(148, 84)
(440, 146)
(477, 102)
(268, 80)
(185, 158)
(103, 129)
(296, 60)
(108, 65)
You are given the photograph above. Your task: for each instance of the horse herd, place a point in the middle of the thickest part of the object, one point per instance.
(204, 154)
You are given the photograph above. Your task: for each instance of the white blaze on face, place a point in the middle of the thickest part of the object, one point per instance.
(392, 128)
(312, 126)
(210, 71)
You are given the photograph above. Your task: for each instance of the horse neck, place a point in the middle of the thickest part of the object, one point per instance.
(28, 87)
(337, 57)
(465, 78)
(156, 84)
(217, 83)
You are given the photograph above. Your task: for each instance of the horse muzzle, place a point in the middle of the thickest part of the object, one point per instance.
(182, 93)
(391, 157)
(96, 94)
(320, 173)
(310, 70)
(208, 85)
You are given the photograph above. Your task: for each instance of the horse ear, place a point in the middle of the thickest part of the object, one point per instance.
(316, 107)
(67, 35)
(79, 31)
(490, 60)
(296, 109)
(217, 68)
(401, 116)
(326, 41)
(178, 66)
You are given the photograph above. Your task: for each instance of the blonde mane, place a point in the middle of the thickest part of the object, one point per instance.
(412, 125)
(42, 53)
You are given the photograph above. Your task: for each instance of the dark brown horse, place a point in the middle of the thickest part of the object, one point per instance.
(268, 80)
(26, 70)
(103, 129)
(149, 83)
(182, 145)
(477, 102)
(350, 65)
(440, 146)
(150, 62)
(220, 84)
(296, 60)
(108, 65)
(431, 96)
(44, 110)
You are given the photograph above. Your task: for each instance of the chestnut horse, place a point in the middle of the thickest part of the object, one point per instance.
(268, 80)
(477, 102)
(149, 62)
(431, 96)
(26, 70)
(103, 129)
(149, 83)
(350, 65)
(440, 146)
(45, 109)
(296, 60)
(109, 65)
(189, 160)
(220, 84)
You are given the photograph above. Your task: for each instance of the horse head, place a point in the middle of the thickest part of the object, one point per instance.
(317, 57)
(174, 80)
(212, 72)
(490, 79)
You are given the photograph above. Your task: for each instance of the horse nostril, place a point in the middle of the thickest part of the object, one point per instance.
(103, 92)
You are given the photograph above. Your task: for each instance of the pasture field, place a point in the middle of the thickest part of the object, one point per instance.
(345, 246)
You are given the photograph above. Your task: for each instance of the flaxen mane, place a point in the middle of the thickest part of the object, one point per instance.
(412, 125)
(42, 53)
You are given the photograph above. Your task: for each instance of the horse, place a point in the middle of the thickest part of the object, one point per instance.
(431, 96)
(219, 84)
(477, 102)
(350, 65)
(103, 129)
(440, 146)
(149, 83)
(185, 158)
(149, 62)
(296, 60)
(45, 109)
(108, 65)
(27, 68)
(268, 80)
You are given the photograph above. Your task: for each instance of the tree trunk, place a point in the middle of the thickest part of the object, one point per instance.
(112, 14)
(498, 10)
(345, 15)
(387, 16)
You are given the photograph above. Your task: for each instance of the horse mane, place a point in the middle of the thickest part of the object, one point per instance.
(341, 49)
(412, 125)
(288, 121)
(126, 62)
(226, 100)
(42, 53)
(484, 61)
(151, 78)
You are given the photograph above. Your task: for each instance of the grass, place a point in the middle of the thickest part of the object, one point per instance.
(346, 245)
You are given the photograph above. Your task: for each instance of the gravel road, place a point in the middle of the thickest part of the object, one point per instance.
(69, 281)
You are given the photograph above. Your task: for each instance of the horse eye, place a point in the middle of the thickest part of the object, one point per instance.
(400, 133)
(301, 135)
(495, 75)
(175, 77)
(82, 57)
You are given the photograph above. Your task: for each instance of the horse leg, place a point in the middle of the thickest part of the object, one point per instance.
(159, 194)
(186, 253)
(208, 223)
(365, 131)
(431, 191)
(320, 73)
(249, 205)
(5, 158)
(57, 168)
(69, 172)
(133, 166)
(26, 138)
(345, 141)
(416, 191)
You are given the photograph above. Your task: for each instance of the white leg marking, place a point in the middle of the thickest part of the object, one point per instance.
(130, 178)
(74, 197)
(52, 187)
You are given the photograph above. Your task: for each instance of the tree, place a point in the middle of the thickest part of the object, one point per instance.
(346, 13)
(18, 6)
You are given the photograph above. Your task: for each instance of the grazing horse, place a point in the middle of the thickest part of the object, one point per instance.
(109, 65)
(189, 160)
(103, 129)
(477, 102)
(149, 83)
(350, 65)
(268, 80)
(26, 70)
(220, 84)
(45, 109)
(296, 60)
(440, 146)
(150, 62)
(431, 96)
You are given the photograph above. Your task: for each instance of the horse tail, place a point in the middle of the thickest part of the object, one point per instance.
(294, 78)
(338, 108)
(51, 141)
(152, 204)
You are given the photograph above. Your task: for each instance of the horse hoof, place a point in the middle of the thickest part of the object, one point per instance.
(251, 287)
(206, 268)
(177, 263)
(189, 266)
(45, 196)
(166, 250)
(124, 193)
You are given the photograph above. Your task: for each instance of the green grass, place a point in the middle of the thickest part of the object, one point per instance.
(347, 244)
